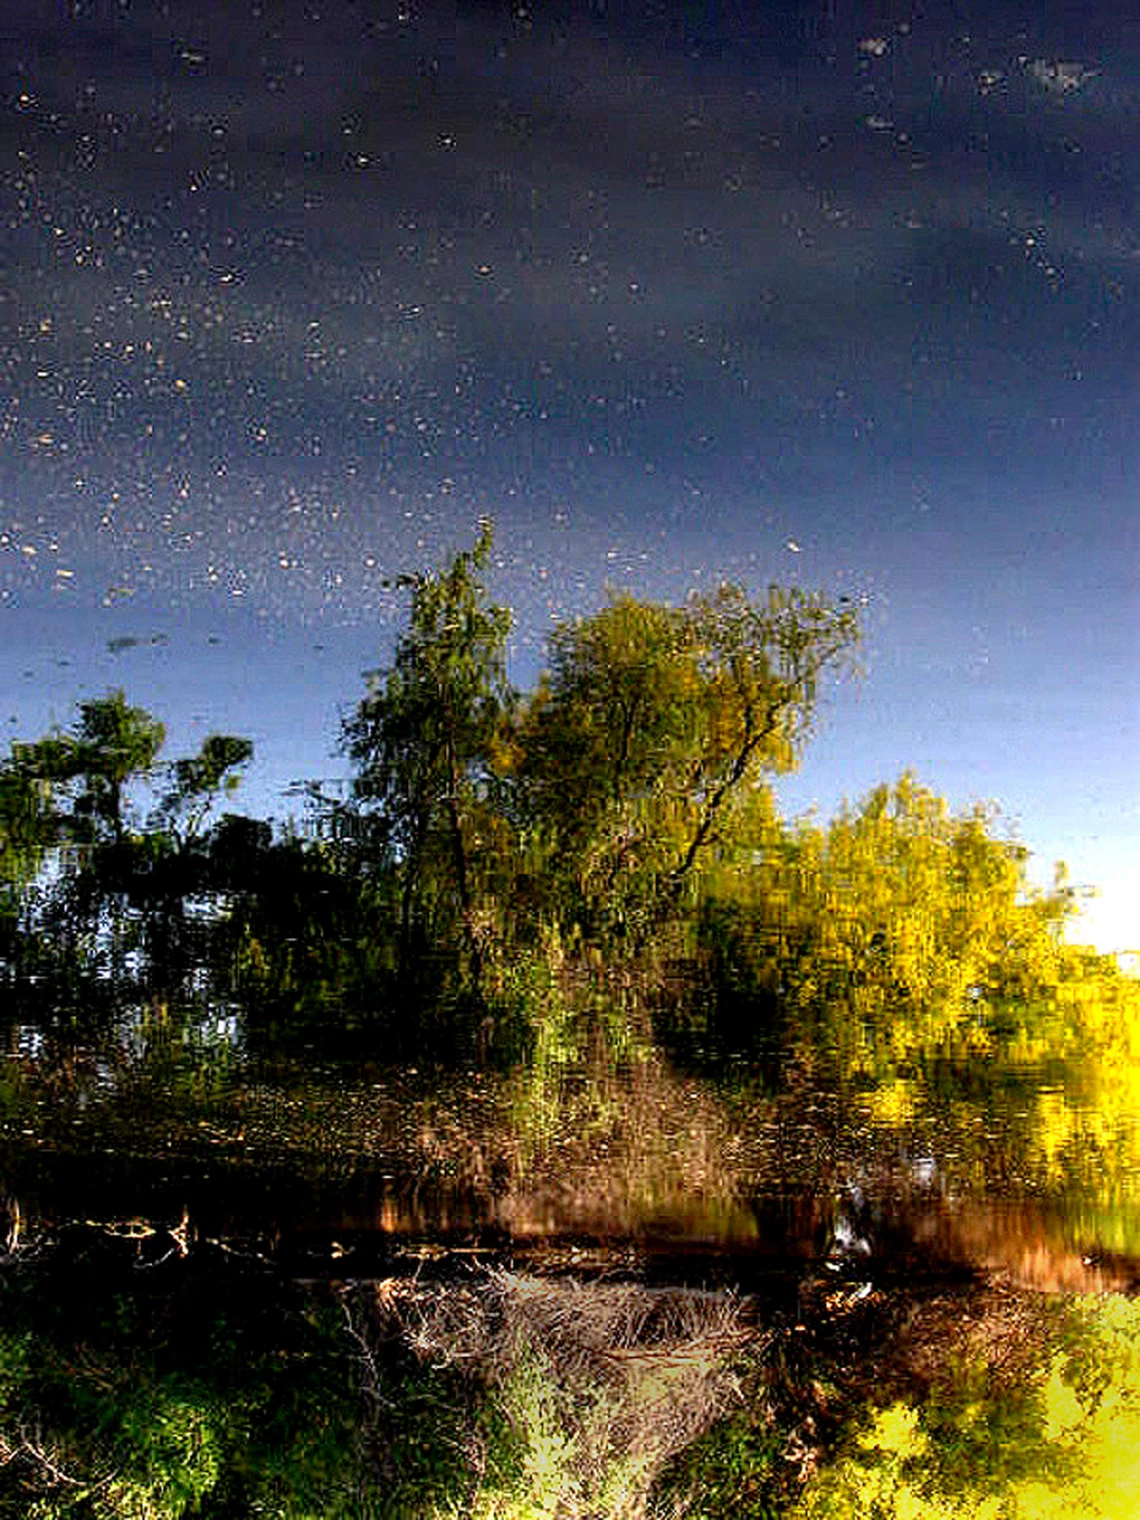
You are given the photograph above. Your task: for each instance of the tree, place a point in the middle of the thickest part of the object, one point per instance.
(651, 726)
(197, 781)
(899, 928)
(78, 781)
(172, 861)
(113, 744)
(28, 825)
(121, 882)
(928, 913)
(422, 741)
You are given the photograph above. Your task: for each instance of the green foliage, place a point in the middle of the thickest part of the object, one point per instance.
(112, 744)
(198, 780)
(184, 1388)
(28, 825)
(734, 1472)
(423, 743)
(900, 927)
(651, 727)
(499, 856)
(117, 885)
(416, 1439)
(1058, 1439)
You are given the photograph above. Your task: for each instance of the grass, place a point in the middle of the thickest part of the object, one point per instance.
(585, 1391)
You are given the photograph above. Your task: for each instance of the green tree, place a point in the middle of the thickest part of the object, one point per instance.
(191, 1388)
(423, 743)
(170, 862)
(196, 783)
(28, 825)
(900, 926)
(113, 745)
(651, 728)
(80, 779)
(927, 919)
(120, 883)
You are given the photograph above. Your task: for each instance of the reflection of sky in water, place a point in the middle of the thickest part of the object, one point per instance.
(291, 300)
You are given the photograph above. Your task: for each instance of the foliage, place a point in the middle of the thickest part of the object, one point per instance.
(137, 1383)
(419, 1464)
(112, 744)
(118, 883)
(423, 740)
(28, 825)
(198, 780)
(512, 873)
(170, 1388)
(733, 1472)
(650, 728)
(577, 1395)
(521, 879)
(901, 927)
(1061, 1439)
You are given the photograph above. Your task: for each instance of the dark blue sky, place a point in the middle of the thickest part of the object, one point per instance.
(291, 294)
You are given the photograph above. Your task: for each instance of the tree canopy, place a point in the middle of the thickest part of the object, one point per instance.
(622, 814)
(654, 722)
(422, 741)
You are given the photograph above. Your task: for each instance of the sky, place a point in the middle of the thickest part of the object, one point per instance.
(825, 294)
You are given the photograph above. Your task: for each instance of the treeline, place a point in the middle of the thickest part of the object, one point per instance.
(500, 856)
